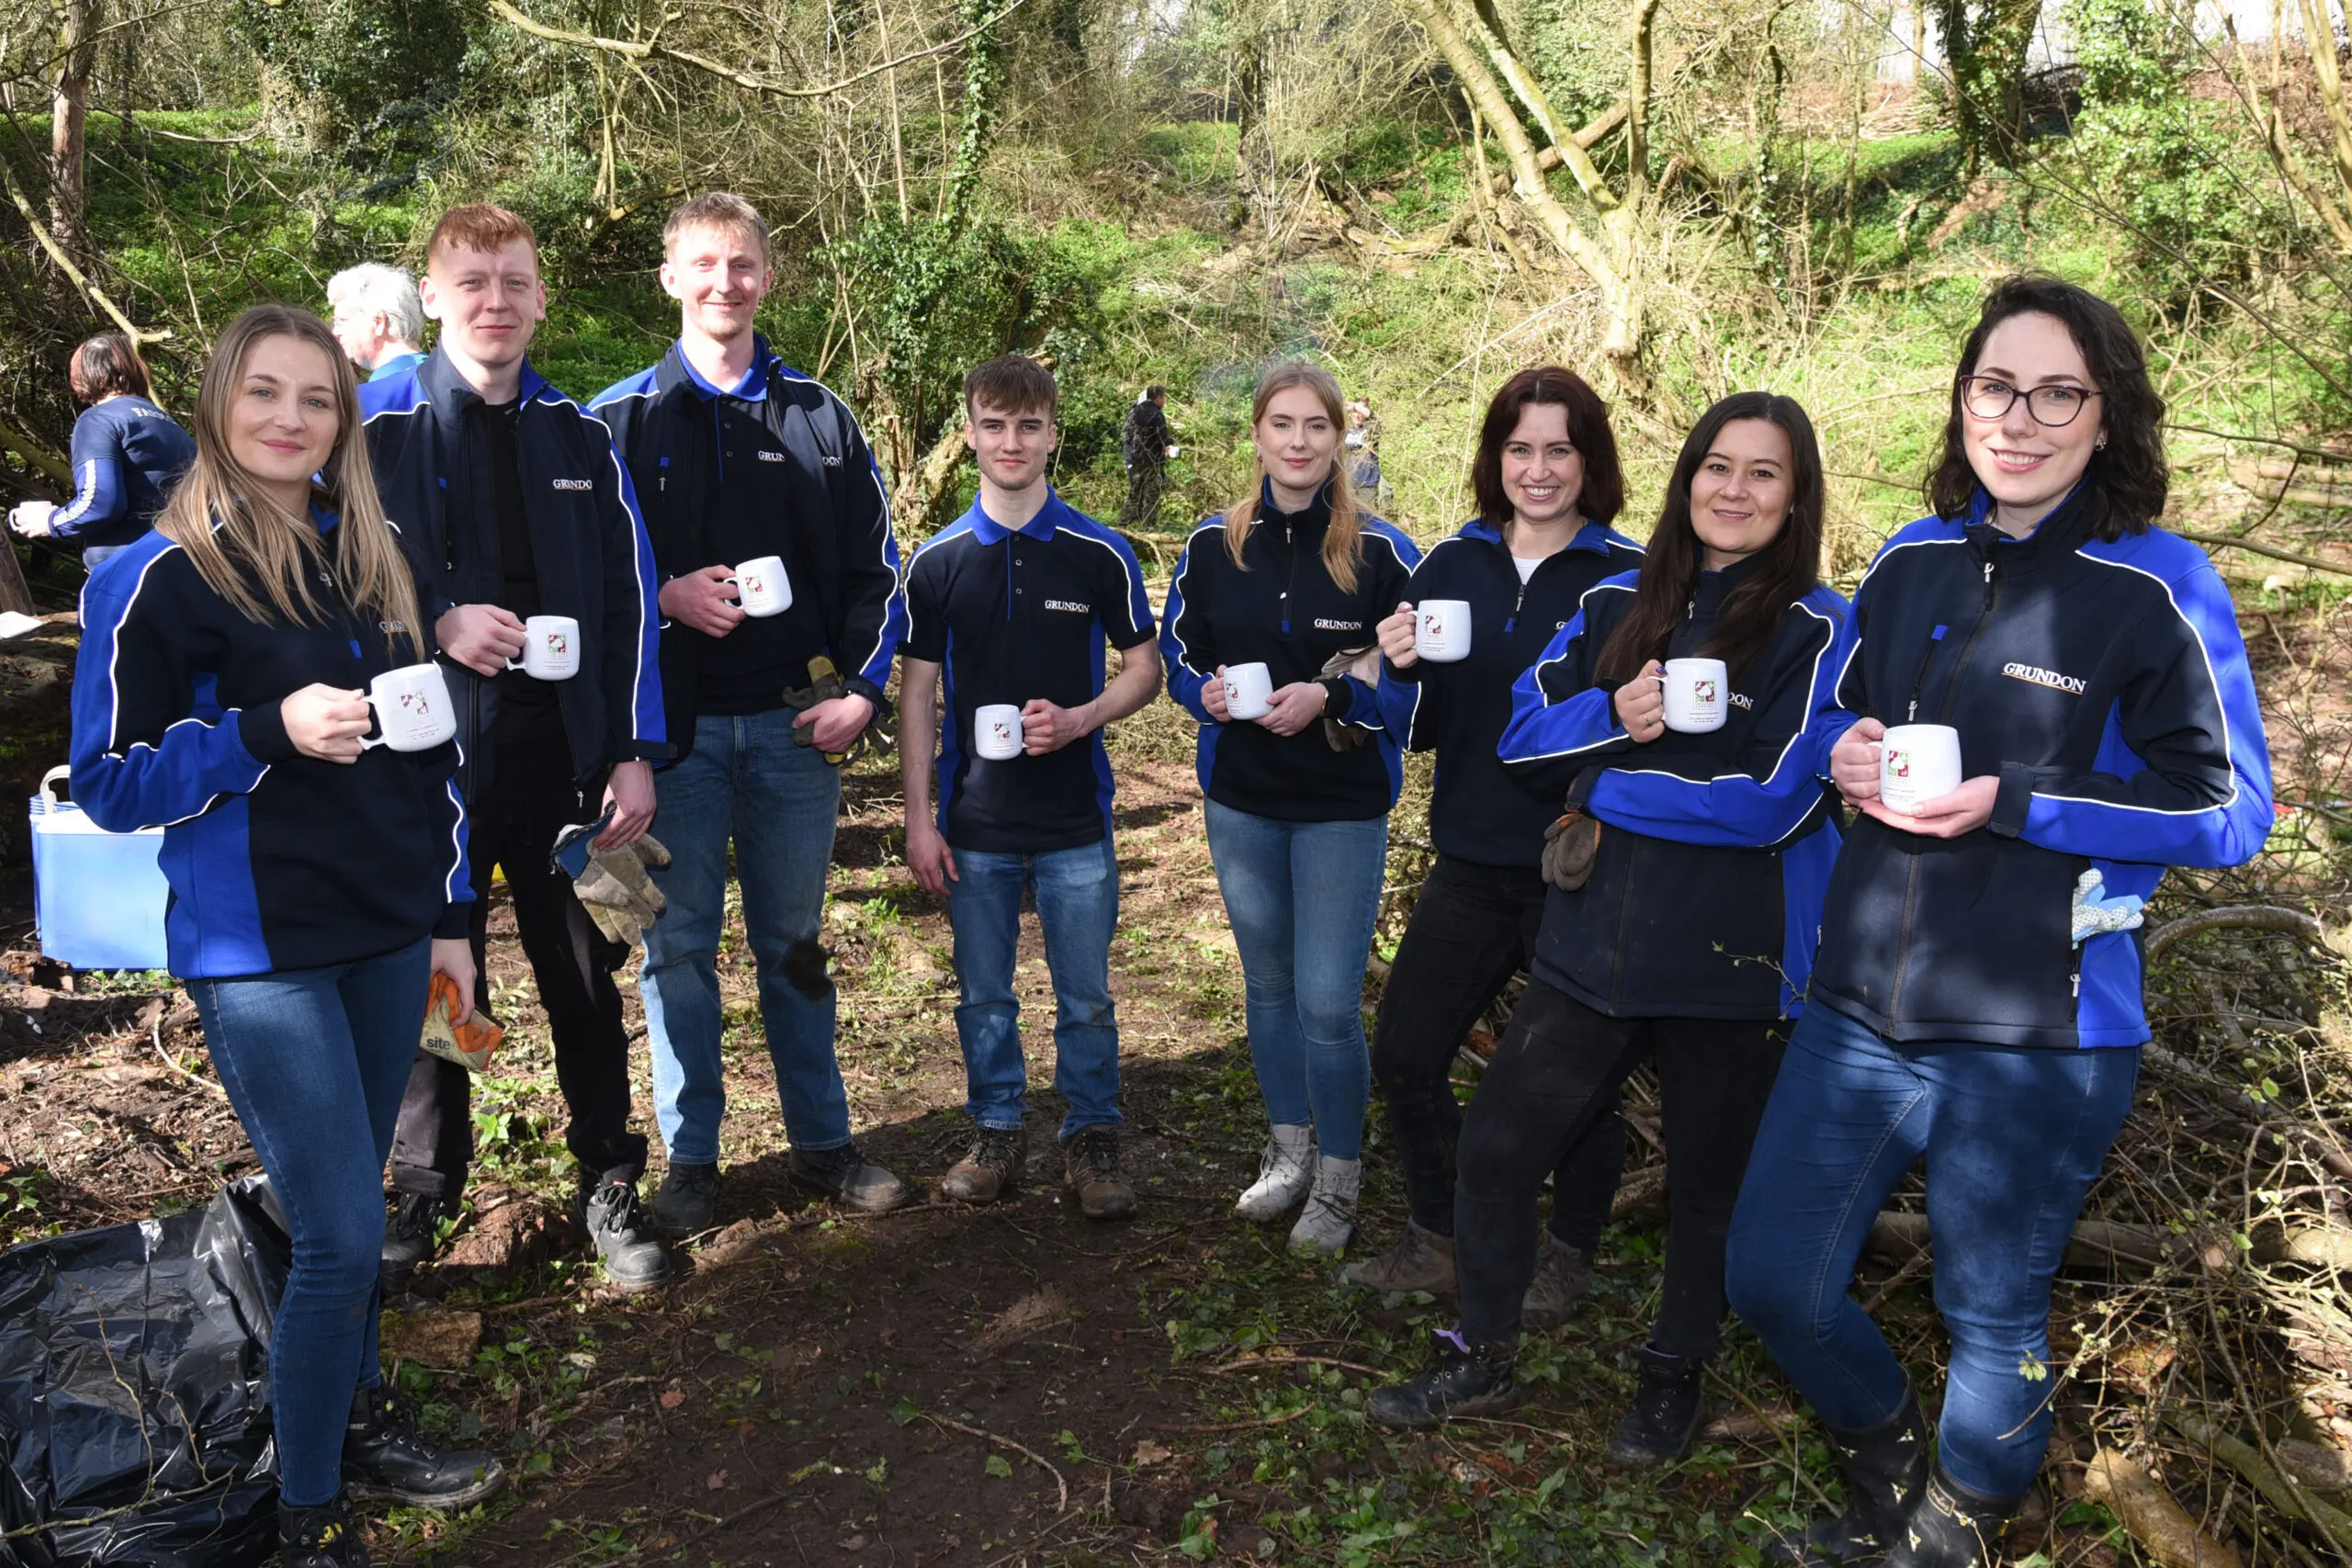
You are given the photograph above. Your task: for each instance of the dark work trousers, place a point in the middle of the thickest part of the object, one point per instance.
(1473, 927)
(1146, 483)
(1540, 1094)
(531, 800)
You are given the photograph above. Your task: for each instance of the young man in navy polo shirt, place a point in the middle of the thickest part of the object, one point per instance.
(739, 457)
(1016, 599)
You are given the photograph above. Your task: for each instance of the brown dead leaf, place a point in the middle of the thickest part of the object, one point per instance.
(1149, 1453)
(717, 1479)
(672, 1398)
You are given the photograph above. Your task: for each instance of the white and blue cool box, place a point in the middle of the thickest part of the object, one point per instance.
(98, 897)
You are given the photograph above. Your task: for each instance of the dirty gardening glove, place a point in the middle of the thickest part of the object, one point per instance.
(1363, 662)
(2095, 915)
(1570, 845)
(825, 683)
(613, 886)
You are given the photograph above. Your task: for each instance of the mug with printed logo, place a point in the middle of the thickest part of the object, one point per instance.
(412, 709)
(763, 587)
(550, 649)
(1916, 764)
(1698, 693)
(996, 732)
(1248, 690)
(1441, 630)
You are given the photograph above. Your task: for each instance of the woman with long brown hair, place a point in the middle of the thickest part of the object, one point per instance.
(318, 876)
(1269, 636)
(125, 455)
(1686, 937)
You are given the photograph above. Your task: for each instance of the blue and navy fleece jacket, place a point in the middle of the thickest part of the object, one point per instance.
(275, 861)
(588, 547)
(2105, 684)
(127, 456)
(1715, 849)
(1280, 608)
(1480, 810)
(1012, 615)
(774, 466)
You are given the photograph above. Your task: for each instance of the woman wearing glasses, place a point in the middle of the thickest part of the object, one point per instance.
(1977, 1001)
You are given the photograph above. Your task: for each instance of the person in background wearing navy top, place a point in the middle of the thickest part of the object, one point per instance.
(738, 455)
(127, 455)
(1295, 577)
(1689, 941)
(1015, 601)
(513, 504)
(1548, 485)
(316, 886)
(378, 316)
(1977, 1000)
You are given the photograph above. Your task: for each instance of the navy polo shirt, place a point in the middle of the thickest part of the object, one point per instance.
(1013, 615)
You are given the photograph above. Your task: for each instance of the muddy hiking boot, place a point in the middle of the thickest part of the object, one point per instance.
(1657, 1429)
(1952, 1526)
(412, 1236)
(622, 1236)
(990, 1168)
(1421, 1260)
(386, 1459)
(849, 1177)
(1885, 1468)
(686, 1202)
(1461, 1379)
(318, 1537)
(1563, 1280)
(1091, 1175)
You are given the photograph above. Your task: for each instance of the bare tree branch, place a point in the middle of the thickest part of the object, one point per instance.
(65, 264)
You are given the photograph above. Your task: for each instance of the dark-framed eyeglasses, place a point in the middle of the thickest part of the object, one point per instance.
(1989, 397)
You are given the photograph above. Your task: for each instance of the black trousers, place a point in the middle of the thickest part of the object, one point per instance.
(1544, 1089)
(1146, 484)
(1472, 926)
(532, 797)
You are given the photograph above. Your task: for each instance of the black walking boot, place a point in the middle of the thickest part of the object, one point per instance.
(318, 1537)
(1657, 1429)
(1461, 1379)
(1887, 1470)
(1953, 1526)
(621, 1236)
(687, 1200)
(410, 1237)
(386, 1459)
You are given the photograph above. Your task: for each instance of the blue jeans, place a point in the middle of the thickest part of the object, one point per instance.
(96, 556)
(314, 1061)
(778, 802)
(1302, 898)
(1078, 907)
(2013, 1138)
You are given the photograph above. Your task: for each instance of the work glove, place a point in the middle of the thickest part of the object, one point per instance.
(614, 885)
(469, 1043)
(2095, 915)
(825, 683)
(1363, 663)
(1571, 846)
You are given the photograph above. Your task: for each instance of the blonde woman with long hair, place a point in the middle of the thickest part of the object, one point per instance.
(1294, 578)
(319, 882)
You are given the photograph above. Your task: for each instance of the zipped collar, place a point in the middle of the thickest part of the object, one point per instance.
(442, 385)
(2062, 530)
(1593, 536)
(1049, 518)
(1707, 594)
(674, 372)
(1316, 517)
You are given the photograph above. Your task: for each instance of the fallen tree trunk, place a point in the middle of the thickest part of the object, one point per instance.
(1550, 158)
(2284, 1493)
(1895, 1237)
(2163, 1529)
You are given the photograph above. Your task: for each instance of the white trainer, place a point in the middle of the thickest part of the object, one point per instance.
(1329, 1217)
(1284, 1172)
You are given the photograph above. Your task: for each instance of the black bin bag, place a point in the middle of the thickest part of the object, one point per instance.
(134, 1391)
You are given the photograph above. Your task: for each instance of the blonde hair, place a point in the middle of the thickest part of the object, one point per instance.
(1342, 550)
(719, 209)
(247, 547)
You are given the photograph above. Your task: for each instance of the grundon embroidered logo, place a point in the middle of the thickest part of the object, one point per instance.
(575, 484)
(1072, 605)
(2073, 685)
(1322, 624)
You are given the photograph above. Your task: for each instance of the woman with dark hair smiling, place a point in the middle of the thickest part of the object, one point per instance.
(1547, 484)
(1684, 929)
(1976, 1002)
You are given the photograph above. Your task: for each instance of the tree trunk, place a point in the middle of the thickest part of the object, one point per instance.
(69, 197)
(1637, 100)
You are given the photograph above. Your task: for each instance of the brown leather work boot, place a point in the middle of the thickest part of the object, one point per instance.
(1091, 1175)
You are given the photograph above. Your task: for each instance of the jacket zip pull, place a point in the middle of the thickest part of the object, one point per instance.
(1988, 584)
(1511, 620)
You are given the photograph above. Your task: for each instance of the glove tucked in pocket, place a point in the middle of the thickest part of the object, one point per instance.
(614, 885)
(1571, 846)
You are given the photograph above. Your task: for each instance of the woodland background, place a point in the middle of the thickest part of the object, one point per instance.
(1681, 199)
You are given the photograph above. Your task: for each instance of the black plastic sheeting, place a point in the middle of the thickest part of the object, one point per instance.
(134, 1391)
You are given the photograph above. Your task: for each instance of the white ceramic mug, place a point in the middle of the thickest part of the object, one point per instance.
(1441, 630)
(412, 709)
(550, 649)
(1698, 693)
(762, 586)
(1248, 690)
(1916, 764)
(996, 732)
